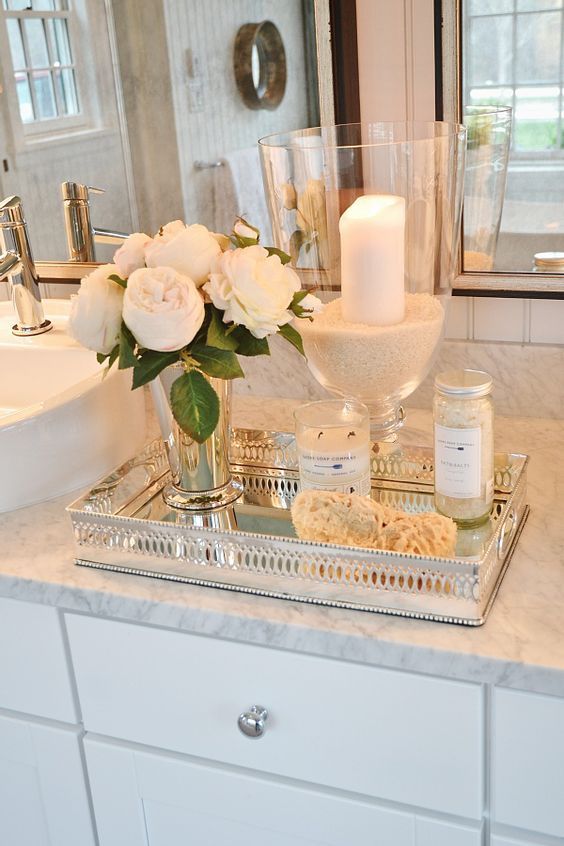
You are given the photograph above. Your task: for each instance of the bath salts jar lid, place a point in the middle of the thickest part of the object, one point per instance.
(550, 259)
(464, 383)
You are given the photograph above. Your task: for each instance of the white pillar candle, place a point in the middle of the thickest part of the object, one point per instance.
(372, 260)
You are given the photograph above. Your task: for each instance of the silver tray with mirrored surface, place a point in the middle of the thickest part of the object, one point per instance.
(124, 525)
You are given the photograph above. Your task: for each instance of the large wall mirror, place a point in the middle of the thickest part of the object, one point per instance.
(140, 99)
(503, 75)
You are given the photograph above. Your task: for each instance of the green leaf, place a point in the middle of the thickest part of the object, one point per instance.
(127, 344)
(297, 240)
(298, 297)
(150, 364)
(292, 336)
(218, 333)
(113, 356)
(195, 405)
(247, 344)
(274, 251)
(101, 357)
(222, 364)
(115, 278)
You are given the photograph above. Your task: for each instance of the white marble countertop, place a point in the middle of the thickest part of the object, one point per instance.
(521, 645)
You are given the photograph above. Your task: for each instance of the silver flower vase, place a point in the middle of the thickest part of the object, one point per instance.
(201, 474)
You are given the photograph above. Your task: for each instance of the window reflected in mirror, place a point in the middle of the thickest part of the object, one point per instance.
(513, 104)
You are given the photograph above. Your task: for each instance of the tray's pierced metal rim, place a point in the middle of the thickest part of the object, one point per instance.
(403, 574)
(471, 622)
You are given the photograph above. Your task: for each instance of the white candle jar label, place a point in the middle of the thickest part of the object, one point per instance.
(458, 462)
(342, 471)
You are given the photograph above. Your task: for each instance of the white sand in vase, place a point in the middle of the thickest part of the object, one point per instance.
(374, 361)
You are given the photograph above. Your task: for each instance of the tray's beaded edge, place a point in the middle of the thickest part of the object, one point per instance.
(410, 576)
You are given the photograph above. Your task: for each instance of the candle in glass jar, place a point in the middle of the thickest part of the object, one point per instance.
(333, 440)
(372, 233)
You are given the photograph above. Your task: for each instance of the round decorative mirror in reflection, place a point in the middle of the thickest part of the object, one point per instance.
(259, 61)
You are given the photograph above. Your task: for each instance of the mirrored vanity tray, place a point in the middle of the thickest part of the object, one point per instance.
(124, 525)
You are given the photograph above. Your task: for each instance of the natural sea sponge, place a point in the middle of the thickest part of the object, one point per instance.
(324, 515)
(352, 520)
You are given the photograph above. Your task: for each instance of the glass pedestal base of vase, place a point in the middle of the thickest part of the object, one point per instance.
(385, 425)
(202, 500)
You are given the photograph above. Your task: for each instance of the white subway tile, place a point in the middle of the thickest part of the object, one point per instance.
(457, 318)
(499, 319)
(547, 321)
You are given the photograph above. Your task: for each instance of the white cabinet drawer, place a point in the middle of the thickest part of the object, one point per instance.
(410, 739)
(528, 761)
(34, 674)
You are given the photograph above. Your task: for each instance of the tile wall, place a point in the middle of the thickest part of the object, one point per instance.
(513, 320)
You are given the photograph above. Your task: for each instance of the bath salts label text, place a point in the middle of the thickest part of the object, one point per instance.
(458, 462)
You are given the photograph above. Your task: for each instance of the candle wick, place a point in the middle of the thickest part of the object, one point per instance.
(319, 435)
(351, 435)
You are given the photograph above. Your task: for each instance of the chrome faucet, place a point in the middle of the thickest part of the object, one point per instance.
(81, 235)
(16, 265)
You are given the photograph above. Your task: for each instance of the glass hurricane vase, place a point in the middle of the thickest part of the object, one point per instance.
(311, 177)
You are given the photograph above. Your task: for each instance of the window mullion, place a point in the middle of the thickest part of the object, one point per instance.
(29, 72)
(559, 144)
(52, 68)
(514, 72)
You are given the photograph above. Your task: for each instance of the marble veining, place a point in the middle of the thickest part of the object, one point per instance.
(521, 645)
(528, 378)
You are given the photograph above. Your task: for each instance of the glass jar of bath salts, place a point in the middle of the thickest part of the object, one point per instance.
(464, 446)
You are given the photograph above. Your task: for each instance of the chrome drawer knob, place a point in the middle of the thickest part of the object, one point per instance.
(253, 722)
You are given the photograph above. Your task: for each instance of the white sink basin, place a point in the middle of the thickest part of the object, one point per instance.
(63, 424)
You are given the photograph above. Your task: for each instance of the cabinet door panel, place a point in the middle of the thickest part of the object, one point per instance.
(43, 797)
(508, 841)
(148, 799)
(438, 833)
(34, 675)
(528, 761)
(391, 735)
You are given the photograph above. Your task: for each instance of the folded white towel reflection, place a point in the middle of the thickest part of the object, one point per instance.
(239, 192)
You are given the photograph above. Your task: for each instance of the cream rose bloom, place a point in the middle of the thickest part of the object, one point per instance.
(254, 289)
(244, 231)
(312, 304)
(96, 311)
(188, 249)
(163, 309)
(131, 255)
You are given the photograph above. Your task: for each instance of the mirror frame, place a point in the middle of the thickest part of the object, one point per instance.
(448, 89)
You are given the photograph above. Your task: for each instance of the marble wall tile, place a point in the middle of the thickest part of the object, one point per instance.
(528, 379)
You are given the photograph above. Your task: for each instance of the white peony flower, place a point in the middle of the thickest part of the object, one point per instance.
(169, 230)
(188, 249)
(131, 255)
(222, 240)
(243, 230)
(254, 289)
(163, 309)
(312, 304)
(95, 316)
